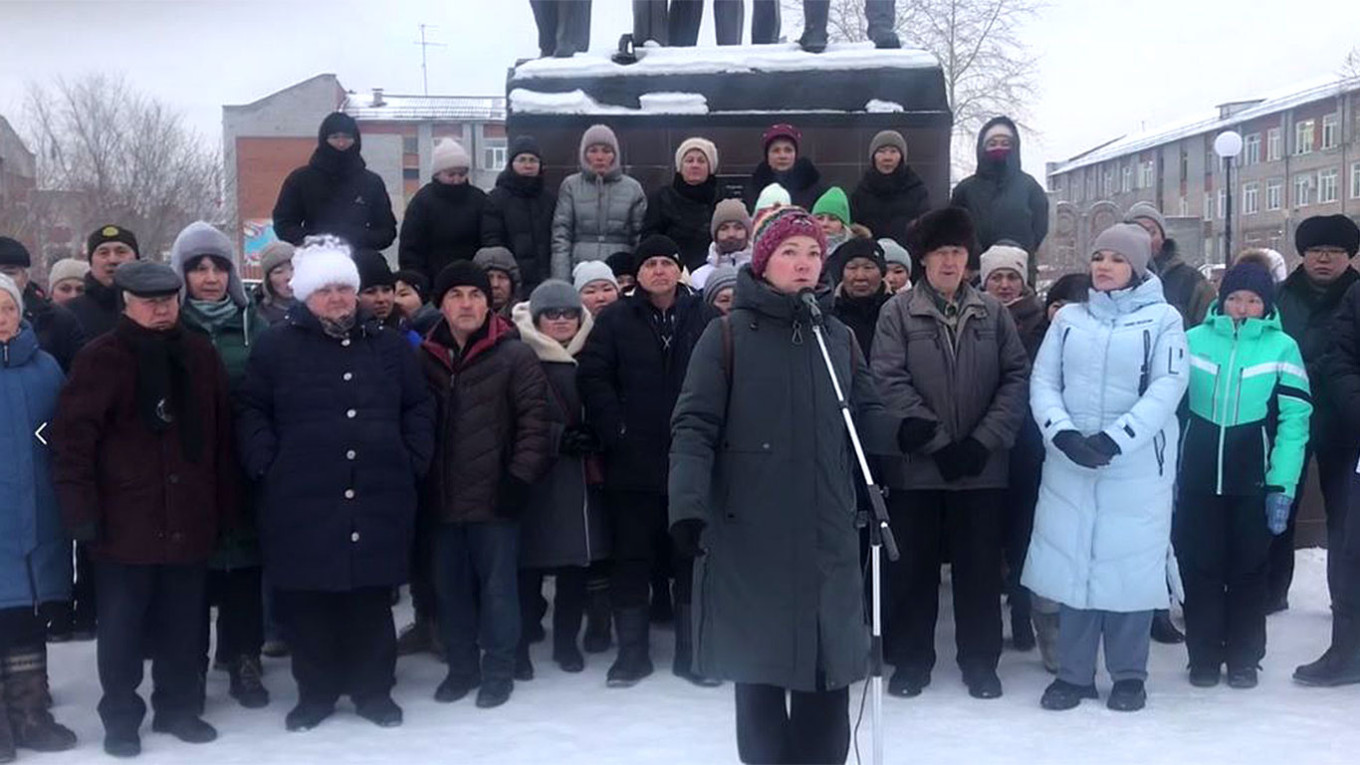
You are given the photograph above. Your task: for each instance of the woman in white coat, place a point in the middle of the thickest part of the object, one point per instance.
(1105, 388)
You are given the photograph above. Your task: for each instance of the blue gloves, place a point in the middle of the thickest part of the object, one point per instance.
(1277, 512)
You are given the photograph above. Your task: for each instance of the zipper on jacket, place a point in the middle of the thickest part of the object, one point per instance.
(1227, 399)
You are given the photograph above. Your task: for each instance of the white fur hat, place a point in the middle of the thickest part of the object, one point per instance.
(7, 285)
(322, 260)
(449, 154)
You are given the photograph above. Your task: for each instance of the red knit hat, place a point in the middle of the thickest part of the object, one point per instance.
(779, 225)
(782, 130)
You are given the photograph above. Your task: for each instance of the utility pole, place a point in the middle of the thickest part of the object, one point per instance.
(424, 46)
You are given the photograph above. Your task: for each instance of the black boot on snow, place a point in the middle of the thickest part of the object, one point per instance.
(1164, 630)
(634, 661)
(1061, 695)
(1127, 696)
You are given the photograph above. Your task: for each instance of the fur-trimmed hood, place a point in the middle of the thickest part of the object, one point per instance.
(546, 348)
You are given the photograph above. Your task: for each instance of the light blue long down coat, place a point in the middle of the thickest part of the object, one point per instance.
(1117, 364)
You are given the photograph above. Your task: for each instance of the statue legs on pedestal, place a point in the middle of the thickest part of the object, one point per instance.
(563, 26)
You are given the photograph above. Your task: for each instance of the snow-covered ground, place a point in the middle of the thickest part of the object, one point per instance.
(559, 719)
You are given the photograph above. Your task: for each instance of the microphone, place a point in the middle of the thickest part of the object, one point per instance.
(809, 300)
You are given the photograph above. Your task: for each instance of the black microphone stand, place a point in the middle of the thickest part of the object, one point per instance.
(881, 538)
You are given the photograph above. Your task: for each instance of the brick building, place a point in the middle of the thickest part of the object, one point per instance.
(265, 140)
(1300, 157)
(18, 183)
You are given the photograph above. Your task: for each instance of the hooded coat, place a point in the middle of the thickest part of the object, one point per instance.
(335, 193)
(759, 455)
(684, 212)
(59, 332)
(1004, 201)
(35, 553)
(518, 215)
(336, 430)
(887, 204)
(803, 181)
(596, 216)
(490, 422)
(442, 224)
(563, 522)
(1115, 365)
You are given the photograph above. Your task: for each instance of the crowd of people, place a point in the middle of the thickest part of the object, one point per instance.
(623, 392)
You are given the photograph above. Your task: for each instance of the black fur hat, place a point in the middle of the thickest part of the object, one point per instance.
(946, 227)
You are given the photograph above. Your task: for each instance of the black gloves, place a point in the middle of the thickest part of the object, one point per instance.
(86, 532)
(512, 495)
(1094, 452)
(915, 433)
(686, 535)
(961, 459)
(579, 440)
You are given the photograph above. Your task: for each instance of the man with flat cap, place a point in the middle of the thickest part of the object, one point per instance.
(146, 474)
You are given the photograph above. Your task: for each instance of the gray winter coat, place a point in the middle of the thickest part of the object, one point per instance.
(596, 217)
(563, 522)
(977, 385)
(759, 454)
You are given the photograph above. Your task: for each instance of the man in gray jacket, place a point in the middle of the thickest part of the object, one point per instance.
(948, 359)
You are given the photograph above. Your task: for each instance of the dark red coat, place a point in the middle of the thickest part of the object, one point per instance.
(150, 504)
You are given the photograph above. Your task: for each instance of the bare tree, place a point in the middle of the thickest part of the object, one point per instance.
(113, 155)
(988, 70)
(1350, 65)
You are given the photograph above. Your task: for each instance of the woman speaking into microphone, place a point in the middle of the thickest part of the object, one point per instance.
(762, 487)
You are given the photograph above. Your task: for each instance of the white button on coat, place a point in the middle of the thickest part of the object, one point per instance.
(349, 493)
(354, 537)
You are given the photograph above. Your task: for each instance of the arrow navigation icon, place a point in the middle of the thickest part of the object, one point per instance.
(38, 434)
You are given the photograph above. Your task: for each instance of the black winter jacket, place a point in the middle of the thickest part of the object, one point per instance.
(1311, 315)
(1005, 202)
(97, 309)
(58, 330)
(629, 385)
(684, 213)
(887, 204)
(861, 315)
(518, 215)
(334, 193)
(442, 224)
(337, 432)
(803, 181)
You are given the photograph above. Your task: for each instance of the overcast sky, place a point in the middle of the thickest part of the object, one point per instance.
(1106, 67)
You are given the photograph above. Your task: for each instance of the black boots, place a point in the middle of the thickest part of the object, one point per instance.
(1164, 630)
(382, 711)
(247, 684)
(882, 17)
(1061, 695)
(635, 653)
(683, 667)
(307, 715)
(815, 14)
(598, 617)
(1340, 665)
(189, 728)
(26, 702)
(1127, 696)
(908, 682)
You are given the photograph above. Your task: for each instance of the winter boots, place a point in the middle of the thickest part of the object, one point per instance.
(1127, 696)
(26, 704)
(635, 653)
(247, 685)
(1164, 630)
(815, 16)
(683, 667)
(598, 617)
(1340, 665)
(1061, 695)
(568, 613)
(908, 682)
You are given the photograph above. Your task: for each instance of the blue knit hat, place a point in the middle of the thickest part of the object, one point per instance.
(1248, 276)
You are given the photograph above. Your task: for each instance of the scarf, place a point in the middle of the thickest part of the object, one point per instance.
(338, 328)
(163, 389)
(213, 314)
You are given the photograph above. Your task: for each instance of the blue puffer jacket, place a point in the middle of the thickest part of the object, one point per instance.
(1115, 365)
(35, 554)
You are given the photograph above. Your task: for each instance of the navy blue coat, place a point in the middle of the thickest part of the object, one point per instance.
(35, 554)
(337, 432)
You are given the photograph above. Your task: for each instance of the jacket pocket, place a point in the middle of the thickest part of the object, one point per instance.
(743, 476)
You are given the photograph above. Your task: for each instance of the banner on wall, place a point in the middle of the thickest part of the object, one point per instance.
(256, 233)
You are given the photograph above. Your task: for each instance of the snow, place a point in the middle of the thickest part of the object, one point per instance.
(782, 57)
(566, 720)
(525, 101)
(875, 106)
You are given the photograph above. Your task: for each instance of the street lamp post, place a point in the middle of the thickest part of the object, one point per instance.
(1228, 145)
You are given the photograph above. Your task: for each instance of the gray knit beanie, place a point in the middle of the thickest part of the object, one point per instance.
(1146, 210)
(718, 280)
(888, 138)
(553, 294)
(1129, 240)
(274, 255)
(7, 285)
(895, 253)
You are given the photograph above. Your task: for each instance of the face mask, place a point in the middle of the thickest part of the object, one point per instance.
(998, 155)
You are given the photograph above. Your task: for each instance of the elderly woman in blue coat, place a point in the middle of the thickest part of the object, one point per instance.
(35, 554)
(1104, 391)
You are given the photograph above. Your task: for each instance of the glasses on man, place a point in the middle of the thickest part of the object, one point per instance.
(1326, 253)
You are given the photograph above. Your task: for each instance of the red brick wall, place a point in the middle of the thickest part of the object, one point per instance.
(261, 166)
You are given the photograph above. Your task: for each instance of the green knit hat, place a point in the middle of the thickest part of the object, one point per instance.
(834, 202)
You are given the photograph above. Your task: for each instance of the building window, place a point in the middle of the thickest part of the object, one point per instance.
(1355, 180)
(493, 157)
(1208, 207)
(1327, 185)
(1145, 175)
(1185, 207)
(1329, 135)
(1222, 202)
(1251, 149)
(1274, 146)
(1303, 190)
(410, 145)
(410, 173)
(1274, 194)
(1251, 199)
(1185, 165)
(1126, 182)
(1303, 137)
(1108, 181)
